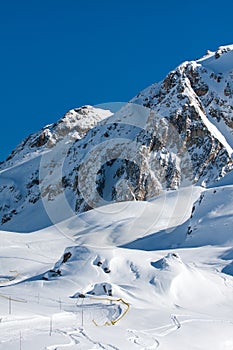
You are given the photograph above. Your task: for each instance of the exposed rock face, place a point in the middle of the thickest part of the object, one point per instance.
(197, 99)
(175, 133)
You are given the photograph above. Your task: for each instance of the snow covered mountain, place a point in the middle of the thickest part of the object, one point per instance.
(20, 173)
(174, 133)
(151, 265)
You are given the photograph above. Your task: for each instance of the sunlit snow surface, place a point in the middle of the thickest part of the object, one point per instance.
(178, 285)
(220, 64)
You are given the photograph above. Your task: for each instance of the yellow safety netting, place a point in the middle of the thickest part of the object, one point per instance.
(113, 322)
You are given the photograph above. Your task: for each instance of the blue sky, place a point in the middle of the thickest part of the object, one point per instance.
(61, 54)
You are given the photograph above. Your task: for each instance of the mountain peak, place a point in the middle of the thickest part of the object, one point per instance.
(72, 126)
(220, 61)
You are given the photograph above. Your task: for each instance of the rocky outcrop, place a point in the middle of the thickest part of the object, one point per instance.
(71, 127)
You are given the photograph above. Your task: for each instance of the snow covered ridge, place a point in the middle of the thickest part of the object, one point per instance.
(175, 133)
(72, 126)
(219, 61)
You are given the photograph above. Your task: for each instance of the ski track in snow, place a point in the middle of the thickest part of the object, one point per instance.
(145, 337)
(142, 339)
(80, 338)
(150, 335)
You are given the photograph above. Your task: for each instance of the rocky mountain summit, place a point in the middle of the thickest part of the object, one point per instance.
(175, 133)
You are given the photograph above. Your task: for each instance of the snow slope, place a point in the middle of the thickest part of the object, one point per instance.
(87, 284)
